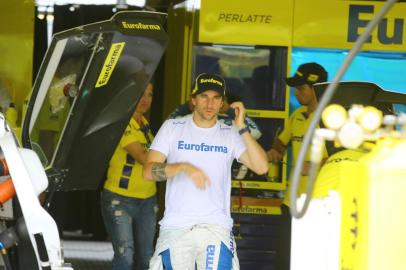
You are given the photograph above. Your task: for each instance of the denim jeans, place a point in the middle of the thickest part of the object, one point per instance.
(131, 223)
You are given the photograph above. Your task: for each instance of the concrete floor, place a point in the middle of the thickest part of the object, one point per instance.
(88, 255)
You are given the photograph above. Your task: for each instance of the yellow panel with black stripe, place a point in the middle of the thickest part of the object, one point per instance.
(371, 187)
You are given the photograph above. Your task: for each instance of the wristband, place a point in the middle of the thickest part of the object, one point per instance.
(243, 130)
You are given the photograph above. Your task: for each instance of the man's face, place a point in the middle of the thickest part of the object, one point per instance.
(207, 104)
(145, 101)
(305, 94)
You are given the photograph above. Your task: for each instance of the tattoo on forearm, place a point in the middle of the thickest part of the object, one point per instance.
(158, 171)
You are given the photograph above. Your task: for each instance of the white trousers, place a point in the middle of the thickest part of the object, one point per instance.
(204, 246)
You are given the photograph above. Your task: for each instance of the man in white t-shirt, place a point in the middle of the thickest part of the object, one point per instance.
(194, 155)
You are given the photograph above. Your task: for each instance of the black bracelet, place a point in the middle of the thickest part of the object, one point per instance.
(243, 130)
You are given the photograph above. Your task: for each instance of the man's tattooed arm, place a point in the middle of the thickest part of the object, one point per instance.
(158, 171)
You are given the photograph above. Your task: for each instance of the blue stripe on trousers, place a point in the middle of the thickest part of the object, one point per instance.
(166, 259)
(225, 258)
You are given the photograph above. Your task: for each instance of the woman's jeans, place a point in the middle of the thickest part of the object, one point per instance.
(131, 223)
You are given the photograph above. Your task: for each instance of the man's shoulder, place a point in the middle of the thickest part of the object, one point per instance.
(180, 111)
(133, 124)
(181, 121)
(300, 109)
(299, 113)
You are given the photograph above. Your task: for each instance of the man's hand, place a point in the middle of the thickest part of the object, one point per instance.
(200, 179)
(273, 155)
(239, 114)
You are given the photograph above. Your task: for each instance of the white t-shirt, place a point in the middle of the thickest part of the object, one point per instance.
(210, 149)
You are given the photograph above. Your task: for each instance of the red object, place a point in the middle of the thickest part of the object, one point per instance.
(7, 191)
(66, 90)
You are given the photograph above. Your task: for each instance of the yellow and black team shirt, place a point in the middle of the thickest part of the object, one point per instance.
(124, 175)
(294, 132)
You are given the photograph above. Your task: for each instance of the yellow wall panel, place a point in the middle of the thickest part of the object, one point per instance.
(257, 22)
(16, 47)
(337, 24)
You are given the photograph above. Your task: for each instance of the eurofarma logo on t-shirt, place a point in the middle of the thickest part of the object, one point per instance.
(182, 145)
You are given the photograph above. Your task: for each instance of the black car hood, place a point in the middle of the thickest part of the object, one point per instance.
(86, 91)
(363, 93)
